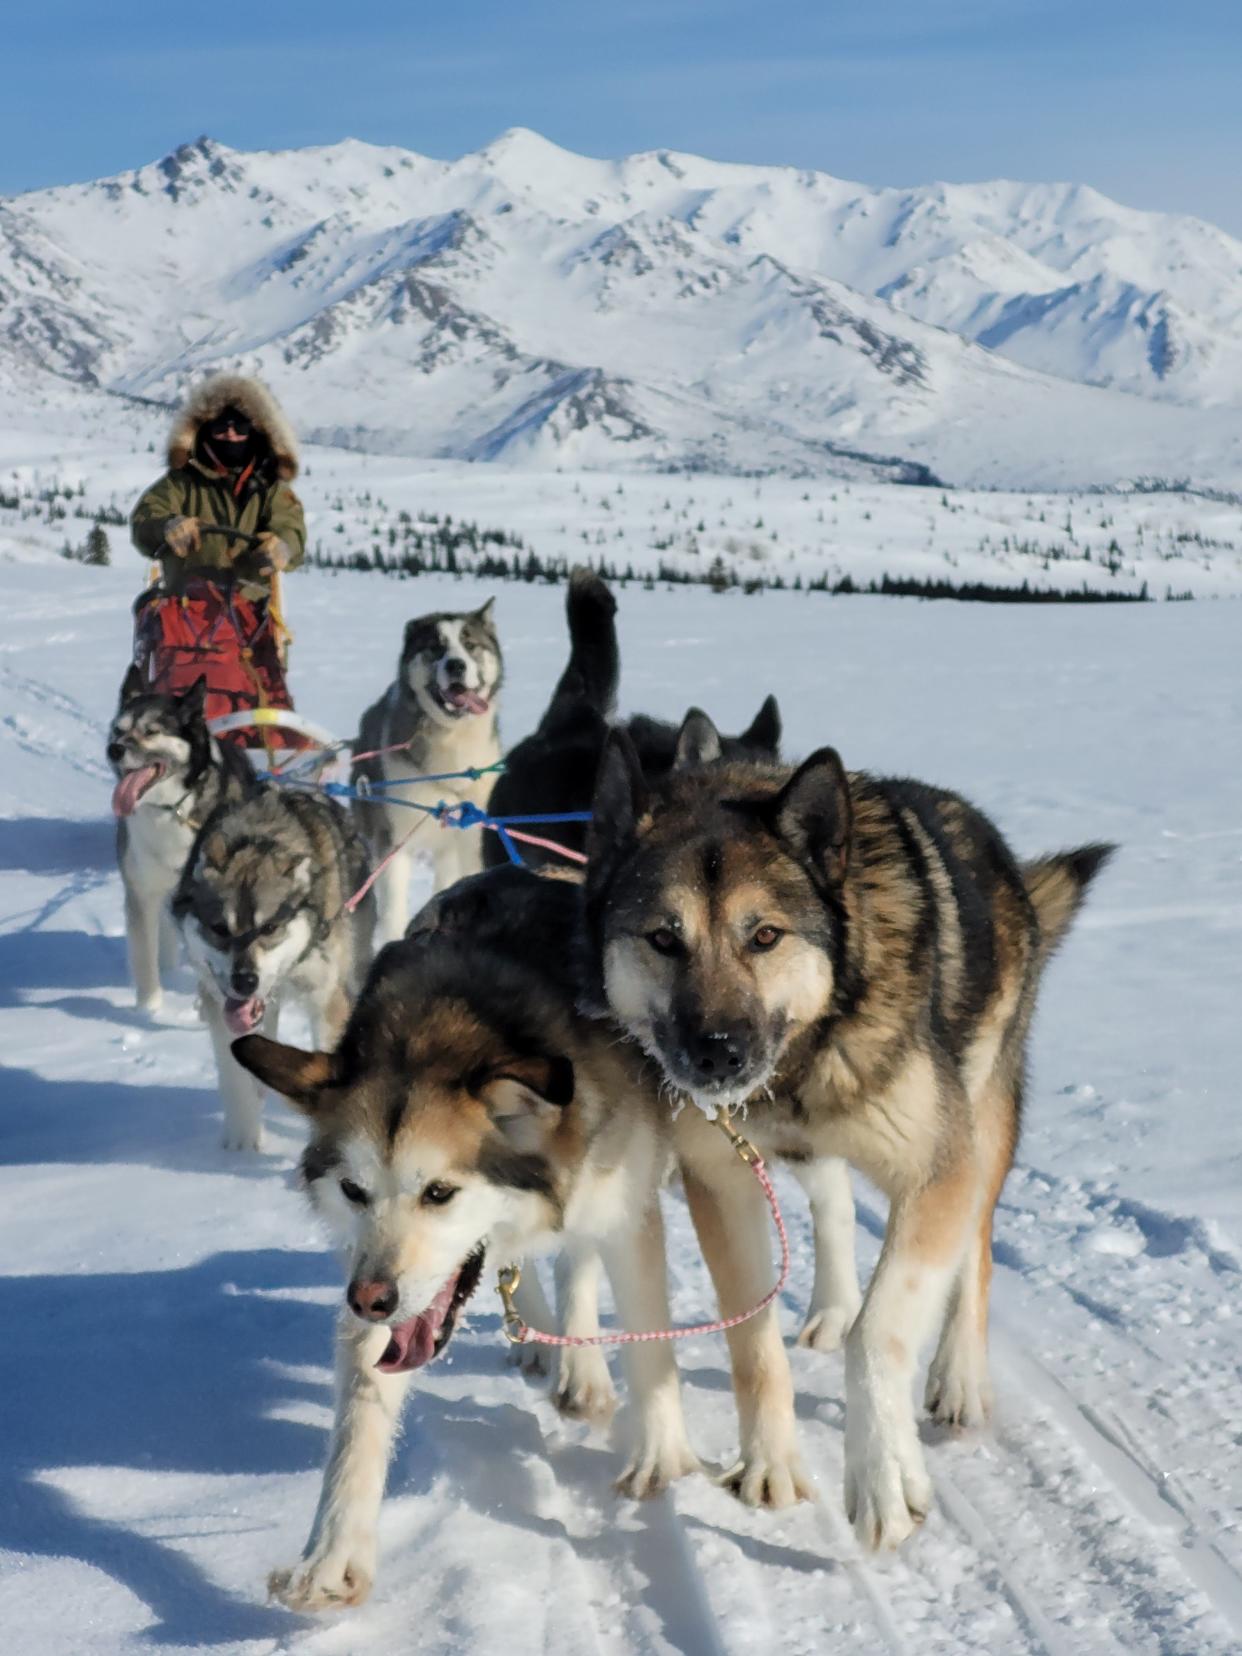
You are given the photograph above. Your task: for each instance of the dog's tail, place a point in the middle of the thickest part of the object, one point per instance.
(1057, 885)
(594, 666)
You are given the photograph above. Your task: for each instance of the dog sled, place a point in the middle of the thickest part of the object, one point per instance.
(214, 630)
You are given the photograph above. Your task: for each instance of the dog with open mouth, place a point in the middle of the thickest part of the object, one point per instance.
(171, 773)
(442, 712)
(261, 909)
(854, 961)
(469, 1117)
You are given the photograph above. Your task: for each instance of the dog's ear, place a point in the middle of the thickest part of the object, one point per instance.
(698, 741)
(541, 1078)
(764, 732)
(525, 1094)
(814, 815)
(484, 613)
(191, 703)
(620, 798)
(299, 1076)
(133, 684)
(216, 850)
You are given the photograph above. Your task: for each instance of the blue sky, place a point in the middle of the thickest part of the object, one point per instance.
(1140, 99)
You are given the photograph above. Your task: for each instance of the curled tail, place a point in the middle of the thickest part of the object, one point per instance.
(594, 666)
(1057, 885)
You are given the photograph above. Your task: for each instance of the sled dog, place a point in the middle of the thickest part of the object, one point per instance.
(171, 773)
(553, 769)
(442, 707)
(260, 906)
(469, 1117)
(854, 962)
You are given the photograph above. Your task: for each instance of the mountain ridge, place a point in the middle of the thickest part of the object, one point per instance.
(532, 305)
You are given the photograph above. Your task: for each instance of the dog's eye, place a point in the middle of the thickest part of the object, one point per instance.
(354, 1193)
(767, 937)
(270, 930)
(664, 941)
(437, 1193)
(219, 928)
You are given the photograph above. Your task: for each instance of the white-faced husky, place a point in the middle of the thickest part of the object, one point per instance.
(171, 773)
(261, 908)
(442, 708)
(470, 1117)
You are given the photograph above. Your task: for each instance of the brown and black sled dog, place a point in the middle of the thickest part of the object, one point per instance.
(855, 961)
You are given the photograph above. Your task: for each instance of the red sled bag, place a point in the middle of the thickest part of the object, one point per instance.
(211, 631)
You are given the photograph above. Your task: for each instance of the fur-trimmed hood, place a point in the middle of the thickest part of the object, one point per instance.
(253, 399)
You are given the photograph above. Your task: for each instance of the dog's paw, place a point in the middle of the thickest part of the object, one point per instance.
(242, 1138)
(336, 1581)
(769, 1480)
(150, 1003)
(827, 1325)
(529, 1360)
(584, 1388)
(887, 1495)
(655, 1465)
(959, 1392)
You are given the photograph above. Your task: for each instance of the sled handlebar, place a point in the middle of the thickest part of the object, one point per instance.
(250, 541)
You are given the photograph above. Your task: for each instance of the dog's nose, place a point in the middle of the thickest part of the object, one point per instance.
(372, 1301)
(454, 666)
(717, 1054)
(245, 981)
(116, 752)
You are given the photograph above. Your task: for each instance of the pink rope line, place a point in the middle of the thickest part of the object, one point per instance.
(398, 848)
(521, 1333)
(547, 844)
(528, 839)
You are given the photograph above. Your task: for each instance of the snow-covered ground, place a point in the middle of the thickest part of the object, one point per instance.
(167, 1308)
(97, 454)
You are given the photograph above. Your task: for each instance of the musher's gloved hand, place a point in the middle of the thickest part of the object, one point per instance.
(274, 552)
(181, 536)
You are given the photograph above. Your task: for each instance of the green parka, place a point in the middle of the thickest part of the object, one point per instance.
(192, 487)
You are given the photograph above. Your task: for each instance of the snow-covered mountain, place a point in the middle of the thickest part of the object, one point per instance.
(527, 303)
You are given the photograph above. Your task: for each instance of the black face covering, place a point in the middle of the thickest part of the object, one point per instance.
(230, 452)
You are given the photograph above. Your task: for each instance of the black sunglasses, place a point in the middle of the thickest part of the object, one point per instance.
(236, 422)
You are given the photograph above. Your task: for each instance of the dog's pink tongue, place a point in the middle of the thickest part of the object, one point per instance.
(243, 1016)
(469, 699)
(413, 1343)
(130, 789)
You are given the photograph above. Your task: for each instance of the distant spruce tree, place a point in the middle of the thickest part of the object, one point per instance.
(96, 549)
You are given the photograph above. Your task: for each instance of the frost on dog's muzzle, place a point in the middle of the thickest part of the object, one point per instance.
(416, 1341)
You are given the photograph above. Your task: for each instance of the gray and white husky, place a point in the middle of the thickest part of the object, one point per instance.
(171, 773)
(261, 908)
(442, 708)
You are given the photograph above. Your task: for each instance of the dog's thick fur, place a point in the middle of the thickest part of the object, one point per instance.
(856, 962)
(470, 1115)
(443, 657)
(171, 774)
(554, 768)
(260, 905)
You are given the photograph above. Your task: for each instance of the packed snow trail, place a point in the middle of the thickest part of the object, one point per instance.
(168, 1307)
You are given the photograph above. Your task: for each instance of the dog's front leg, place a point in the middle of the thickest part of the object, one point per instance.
(143, 914)
(638, 1271)
(584, 1388)
(731, 1218)
(337, 1566)
(392, 891)
(835, 1298)
(887, 1490)
(240, 1094)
